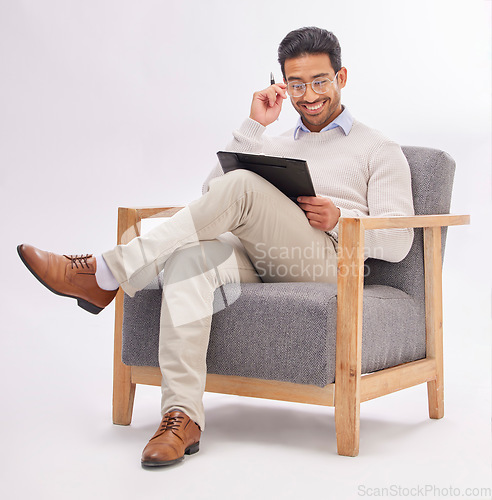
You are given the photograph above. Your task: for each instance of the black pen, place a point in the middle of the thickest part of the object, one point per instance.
(272, 82)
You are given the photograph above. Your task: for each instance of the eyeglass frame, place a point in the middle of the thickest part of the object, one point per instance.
(311, 83)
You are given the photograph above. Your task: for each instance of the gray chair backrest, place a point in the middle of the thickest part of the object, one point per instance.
(432, 174)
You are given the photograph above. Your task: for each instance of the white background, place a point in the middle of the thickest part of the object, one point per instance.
(119, 103)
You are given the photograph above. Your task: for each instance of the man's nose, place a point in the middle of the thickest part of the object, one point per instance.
(310, 95)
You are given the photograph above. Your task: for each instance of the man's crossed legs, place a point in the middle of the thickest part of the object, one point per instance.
(277, 244)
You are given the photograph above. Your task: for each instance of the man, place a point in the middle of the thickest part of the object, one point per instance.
(356, 172)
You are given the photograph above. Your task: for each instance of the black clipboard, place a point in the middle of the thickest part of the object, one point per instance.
(289, 175)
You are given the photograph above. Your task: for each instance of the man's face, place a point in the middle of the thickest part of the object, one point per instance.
(316, 110)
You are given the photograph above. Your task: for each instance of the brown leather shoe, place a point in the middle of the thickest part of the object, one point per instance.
(176, 437)
(68, 275)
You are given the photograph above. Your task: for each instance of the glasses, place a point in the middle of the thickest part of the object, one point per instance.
(320, 86)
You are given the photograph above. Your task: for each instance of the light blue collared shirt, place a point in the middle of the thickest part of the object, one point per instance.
(344, 120)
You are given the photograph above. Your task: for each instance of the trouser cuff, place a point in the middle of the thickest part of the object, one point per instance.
(117, 269)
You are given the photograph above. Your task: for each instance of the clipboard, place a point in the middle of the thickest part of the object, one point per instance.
(289, 175)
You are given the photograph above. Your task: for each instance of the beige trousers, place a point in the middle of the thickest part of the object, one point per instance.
(273, 242)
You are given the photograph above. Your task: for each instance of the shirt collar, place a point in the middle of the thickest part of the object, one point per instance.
(344, 120)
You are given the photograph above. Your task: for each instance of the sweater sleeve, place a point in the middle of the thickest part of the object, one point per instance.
(247, 139)
(389, 193)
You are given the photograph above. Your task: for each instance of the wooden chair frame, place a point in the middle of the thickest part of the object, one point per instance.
(350, 387)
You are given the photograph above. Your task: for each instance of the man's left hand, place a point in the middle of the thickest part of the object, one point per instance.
(321, 212)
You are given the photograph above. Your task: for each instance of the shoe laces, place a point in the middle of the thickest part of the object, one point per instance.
(79, 259)
(172, 423)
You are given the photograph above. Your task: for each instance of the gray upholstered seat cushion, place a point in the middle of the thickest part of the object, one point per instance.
(285, 331)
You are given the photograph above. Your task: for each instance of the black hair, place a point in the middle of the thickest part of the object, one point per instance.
(310, 40)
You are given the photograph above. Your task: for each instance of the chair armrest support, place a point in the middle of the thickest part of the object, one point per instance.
(129, 227)
(350, 284)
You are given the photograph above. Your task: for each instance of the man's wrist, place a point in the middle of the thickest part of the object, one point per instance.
(334, 230)
(336, 219)
(251, 128)
(251, 117)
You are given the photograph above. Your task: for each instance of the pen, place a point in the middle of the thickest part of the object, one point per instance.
(272, 82)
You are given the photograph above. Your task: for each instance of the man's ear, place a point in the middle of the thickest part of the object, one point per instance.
(342, 77)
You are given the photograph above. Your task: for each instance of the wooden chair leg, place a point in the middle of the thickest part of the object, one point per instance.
(123, 388)
(347, 425)
(433, 318)
(350, 284)
(435, 396)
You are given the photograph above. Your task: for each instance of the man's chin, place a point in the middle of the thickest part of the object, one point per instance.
(314, 121)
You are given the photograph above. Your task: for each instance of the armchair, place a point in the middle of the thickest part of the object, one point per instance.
(379, 330)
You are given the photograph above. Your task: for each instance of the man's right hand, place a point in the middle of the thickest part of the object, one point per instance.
(267, 104)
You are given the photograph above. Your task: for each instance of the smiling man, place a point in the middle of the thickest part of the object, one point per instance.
(356, 171)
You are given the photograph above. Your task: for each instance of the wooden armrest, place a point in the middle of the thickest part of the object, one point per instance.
(129, 219)
(150, 212)
(410, 221)
(367, 222)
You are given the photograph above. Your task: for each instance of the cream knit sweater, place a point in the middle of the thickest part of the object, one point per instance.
(363, 173)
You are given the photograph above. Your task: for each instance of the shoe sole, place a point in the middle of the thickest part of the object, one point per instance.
(81, 302)
(191, 450)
